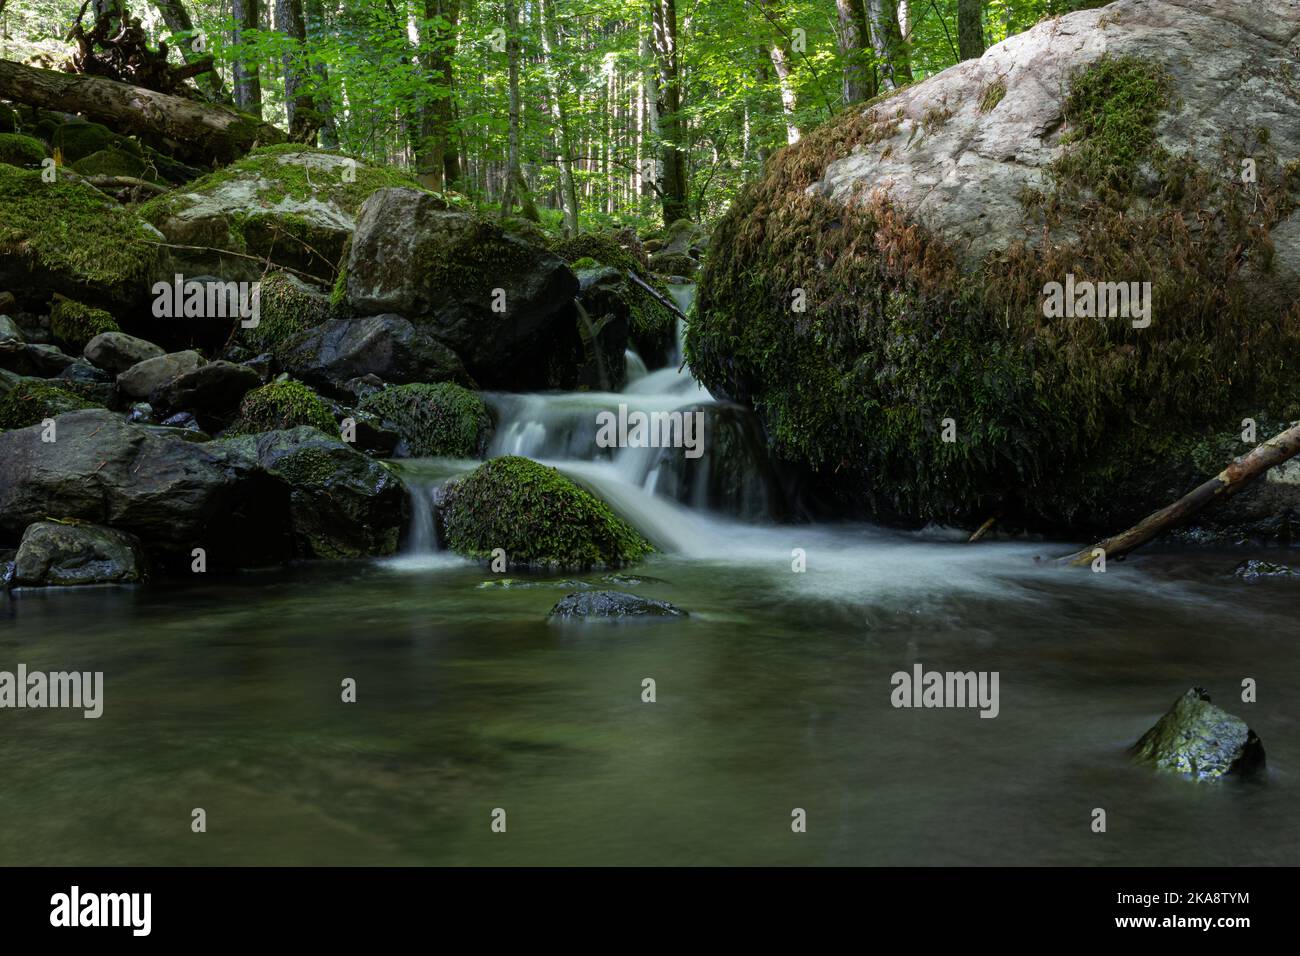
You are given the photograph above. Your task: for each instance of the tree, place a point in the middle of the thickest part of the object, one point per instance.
(437, 159)
(248, 84)
(668, 106)
(888, 43)
(303, 119)
(513, 174)
(178, 21)
(970, 29)
(854, 49)
(559, 112)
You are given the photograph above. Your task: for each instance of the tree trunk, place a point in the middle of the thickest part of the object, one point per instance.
(970, 29)
(559, 113)
(315, 23)
(205, 131)
(854, 42)
(669, 106)
(178, 21)
(303, 119)
(248, 83)
(437, 158)
(512, 135)
(887, 41)
(1227, 483)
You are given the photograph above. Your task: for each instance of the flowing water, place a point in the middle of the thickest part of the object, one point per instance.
(773, 695)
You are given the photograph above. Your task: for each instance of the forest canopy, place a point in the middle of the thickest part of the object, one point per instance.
(581, 113)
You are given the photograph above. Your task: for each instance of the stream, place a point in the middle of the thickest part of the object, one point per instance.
(773, 695)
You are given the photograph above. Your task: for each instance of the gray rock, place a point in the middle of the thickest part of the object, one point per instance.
(1199, 739)
(214, 389)
(58, 555)
(1256, 570)
(442, 269)
(9, 329)
(143, 379)
(116, 352)
(612, 606)
(330, 355)
(26, 358)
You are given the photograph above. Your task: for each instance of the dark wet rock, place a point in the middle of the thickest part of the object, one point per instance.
(448, 271)
(386, 346)
(145, 378)
(82, 372)
(116, 352)
(211, 390)
(342, 504)
(180, 420)
(9, 328)
(1256, 570)
(172, 493)
(521, 584)
(141, 413)
(613, 606)
(42, 361)
(55, 554)
(1201, 740)
(631, 580)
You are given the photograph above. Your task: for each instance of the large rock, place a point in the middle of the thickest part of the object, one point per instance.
(1199, 739)
(342, 504)
(291, 204)
(173, 494)
(58, 555)
(116, 351)
(884, 283)
(454, 272)
(210, 391)
(388, 346)
(147, 377)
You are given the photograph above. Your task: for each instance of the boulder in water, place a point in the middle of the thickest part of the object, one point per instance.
(538, 517)
(901, 273)
(613, 606)
(1199, 739)
(58, 554)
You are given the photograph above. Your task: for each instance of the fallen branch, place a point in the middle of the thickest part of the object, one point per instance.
(655, 292)
(1224, 485)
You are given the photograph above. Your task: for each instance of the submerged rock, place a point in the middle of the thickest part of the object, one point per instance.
(884, 282)
(1199, 739)
(55, 554)
(1255, 570)
(537, 516)
(613, 606)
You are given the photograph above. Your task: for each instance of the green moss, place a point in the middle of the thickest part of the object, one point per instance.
(993, 94)
(539, 517)
(19, 150)
(286, 307)
(901, 331)
(1112, 109)
(653, 326)
(280, 405)
(73, 231)
(30, 403)
(76, 324)
(442, 420)
(114, 162)
(674, 264)
(76, 141)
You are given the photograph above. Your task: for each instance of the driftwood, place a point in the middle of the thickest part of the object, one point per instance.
(1224, 485)
(202, 132)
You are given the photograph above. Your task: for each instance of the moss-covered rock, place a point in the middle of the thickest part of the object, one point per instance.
(69, 238)
(78, 140)
(75, 324)
(281, 405)
(30, 402)
(115, 162)
(652, 327)
(287, 306)
(19, 150)
(1200, 740)
(539, 517)
(442, 420)
(289, 203)
(870, 312)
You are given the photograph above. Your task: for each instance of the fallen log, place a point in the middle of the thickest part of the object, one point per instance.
(672, 306)
(202, 131)
(1224, 485)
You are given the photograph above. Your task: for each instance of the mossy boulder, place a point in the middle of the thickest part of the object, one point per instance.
(290, 204)
(1200, 740)
(282, 405)
(287, 306)
(495, 299)
(440, 420)
(67, 238)
(67, 554)
(115, 162)
(30, 402)
(652, 327)
(19, 150)
(77, 140)
(539, 518)
(75, 323)
(880, 297)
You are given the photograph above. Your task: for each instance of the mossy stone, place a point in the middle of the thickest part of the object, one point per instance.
(76, 324)
(30, 403)
(441, 420)
(19, 150)
(282, 405)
